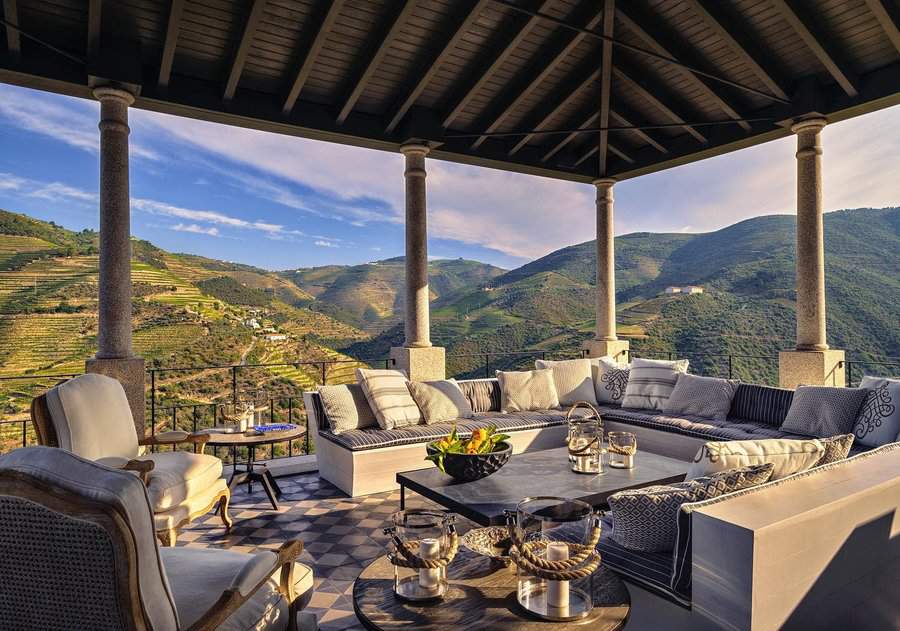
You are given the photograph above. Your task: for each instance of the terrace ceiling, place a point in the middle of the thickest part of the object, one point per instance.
(376, 73)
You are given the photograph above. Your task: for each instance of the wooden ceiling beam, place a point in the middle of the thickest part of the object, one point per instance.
(716, 15)
(13, 40)
(588, 122)
(372, 55)
(543, 63)
(596, 148)
(606, 64)
(429, 68)
(94, 23)
(320, 30)
(821, 47)
(173, 27)
(626, 118)
(635, 77)
(660, 39)
(243, 49)
(511, 36)
(888, 16)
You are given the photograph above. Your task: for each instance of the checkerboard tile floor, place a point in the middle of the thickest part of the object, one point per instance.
(341, 535)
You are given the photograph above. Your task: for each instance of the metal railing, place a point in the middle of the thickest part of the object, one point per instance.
(854, 374)
(516, 358)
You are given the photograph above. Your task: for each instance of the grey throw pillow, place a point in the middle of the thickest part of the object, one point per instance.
(708, 397)
(440, 401)
(651, 381)
(346, 408)
(610, 379)
(823, 411)
(647, 519)
(878, 422)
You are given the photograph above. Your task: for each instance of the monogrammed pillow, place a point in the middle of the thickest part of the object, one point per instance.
(787, 456)
(878, 422)
(610, 379)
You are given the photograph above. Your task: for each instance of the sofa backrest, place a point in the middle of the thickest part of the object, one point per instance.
(761, 404)
(483, 394)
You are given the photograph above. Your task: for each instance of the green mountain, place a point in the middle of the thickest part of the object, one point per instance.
(747, 308)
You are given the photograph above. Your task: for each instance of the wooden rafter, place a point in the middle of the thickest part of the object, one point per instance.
(818, 44)
(371, 57)
(656, 35)
(611, 148)
(559, 47)
(311, 51)
(626, 118)
(606, 64)
(510, 38)
(588, 122)
(713, 13)
(243, 49)
(13, 41)
(634, 77)
(888, 19)
(415, 87)
(173, 27)
(93, 28)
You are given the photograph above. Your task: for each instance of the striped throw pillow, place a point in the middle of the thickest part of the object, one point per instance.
(346, 408)
(651, 381)
(389, 396)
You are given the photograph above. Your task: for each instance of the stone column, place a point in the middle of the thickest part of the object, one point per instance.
(114, 354)
(417, 356)
(606, 342)
(812, 362)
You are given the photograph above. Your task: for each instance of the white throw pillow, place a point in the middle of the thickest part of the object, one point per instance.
(651, 381)
(528, 390)
(572, 378)
(789, 456)
(610, 379)
(389, 397)
(878, 422)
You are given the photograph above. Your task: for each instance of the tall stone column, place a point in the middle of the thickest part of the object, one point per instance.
(417, 356)
(606, 342)
(114, 353)
(812, 362)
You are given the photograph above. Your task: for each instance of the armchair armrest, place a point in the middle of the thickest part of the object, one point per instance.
(141, 467)
(258, 569)
(175, 437)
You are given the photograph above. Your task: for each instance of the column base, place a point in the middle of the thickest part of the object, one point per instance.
(617, 349)
(130, 373)
(421, 364)
(811, 368)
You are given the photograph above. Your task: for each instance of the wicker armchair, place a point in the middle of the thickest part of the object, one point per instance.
(77, 551)
(89, 416)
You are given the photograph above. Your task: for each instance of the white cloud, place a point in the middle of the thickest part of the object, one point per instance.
(203, 216)
(326, 244)
(10, 182)
(57, 191)
(196, 229)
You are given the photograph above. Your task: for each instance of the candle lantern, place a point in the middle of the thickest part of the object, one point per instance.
(554, 543)
(585, 439)
(424, 542)
(622, 447)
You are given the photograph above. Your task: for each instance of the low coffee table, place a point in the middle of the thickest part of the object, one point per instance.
(535, 473)
(482, 595)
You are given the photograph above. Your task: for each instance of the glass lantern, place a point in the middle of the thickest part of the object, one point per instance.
(561, 530)
(585, 446)
(420, 534)
(622, 447)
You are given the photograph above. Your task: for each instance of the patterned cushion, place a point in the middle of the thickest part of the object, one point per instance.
(836, 448)
(346, 407)
(824, 411)
(701, 396)
(527, 390)
(440, 401)
(572, 378)
(878, 422)
(786, 456)
(650, 383)
(646, 519)
(483, 394)
(388, 394)
(610, 379)
(762, 404)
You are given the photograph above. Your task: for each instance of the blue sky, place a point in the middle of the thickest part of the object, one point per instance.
(281, 202)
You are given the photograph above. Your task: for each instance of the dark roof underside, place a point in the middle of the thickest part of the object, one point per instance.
(380, 72)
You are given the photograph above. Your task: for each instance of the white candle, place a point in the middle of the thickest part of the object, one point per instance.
(558, 591)
(429, 550)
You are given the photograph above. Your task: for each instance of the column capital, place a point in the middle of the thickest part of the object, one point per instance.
(604, 182)
(105, 92)
(809, 124)
(414, 149)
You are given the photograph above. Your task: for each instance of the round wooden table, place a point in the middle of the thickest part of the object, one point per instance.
(255, 471)
(482, 596)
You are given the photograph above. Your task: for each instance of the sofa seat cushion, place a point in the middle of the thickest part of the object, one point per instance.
(180, 475)
(651, 570)
(696, 426)
(364, 439)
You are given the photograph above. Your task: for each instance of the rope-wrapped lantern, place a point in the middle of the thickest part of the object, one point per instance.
(585, 439)
(554, 543)
(424, 544)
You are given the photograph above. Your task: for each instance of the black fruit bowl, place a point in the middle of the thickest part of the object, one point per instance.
(471, 467)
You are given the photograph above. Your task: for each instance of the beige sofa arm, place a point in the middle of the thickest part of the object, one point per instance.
(258, 569)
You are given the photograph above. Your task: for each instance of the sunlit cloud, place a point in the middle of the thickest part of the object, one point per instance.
(196, 229)
(326, 244)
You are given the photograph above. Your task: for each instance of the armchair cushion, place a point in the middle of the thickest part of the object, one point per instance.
(199, 576)
(178, 476)
(92, 418)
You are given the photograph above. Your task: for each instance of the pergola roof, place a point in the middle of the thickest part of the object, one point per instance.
(377, 73)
